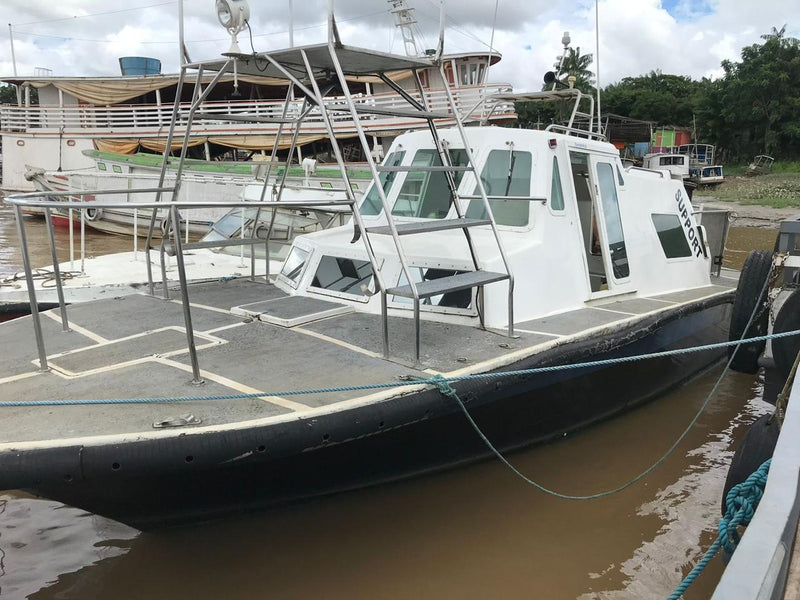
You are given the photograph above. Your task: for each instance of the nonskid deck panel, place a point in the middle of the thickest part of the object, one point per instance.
(136, 348)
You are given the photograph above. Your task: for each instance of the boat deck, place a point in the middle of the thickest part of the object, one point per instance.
(135, 347)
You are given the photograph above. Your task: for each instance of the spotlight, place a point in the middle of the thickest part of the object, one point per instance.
(233, 16)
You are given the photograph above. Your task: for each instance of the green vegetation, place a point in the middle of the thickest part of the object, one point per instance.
(778, 190)
(754, 108)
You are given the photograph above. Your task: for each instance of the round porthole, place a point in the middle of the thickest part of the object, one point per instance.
(20, 142)
(70, 142)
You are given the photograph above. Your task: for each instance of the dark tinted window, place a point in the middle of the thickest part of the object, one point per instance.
(671, 236)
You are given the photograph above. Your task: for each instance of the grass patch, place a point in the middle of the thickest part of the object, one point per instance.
(779, 189)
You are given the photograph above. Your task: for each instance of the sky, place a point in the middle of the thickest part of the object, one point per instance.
(682, 37)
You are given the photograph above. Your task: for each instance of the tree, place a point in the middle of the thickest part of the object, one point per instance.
(665, 99)
(8, 94)
(755, 107)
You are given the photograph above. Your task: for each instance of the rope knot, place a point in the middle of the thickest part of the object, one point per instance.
(740, 506)
(443, 386)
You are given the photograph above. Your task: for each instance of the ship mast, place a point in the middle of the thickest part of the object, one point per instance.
(404, 20)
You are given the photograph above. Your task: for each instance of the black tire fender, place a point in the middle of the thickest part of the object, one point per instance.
(751, 295)
(93, 214)
(756, 446)
(785, 350)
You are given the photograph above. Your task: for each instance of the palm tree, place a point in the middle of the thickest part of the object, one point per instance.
(577, 64)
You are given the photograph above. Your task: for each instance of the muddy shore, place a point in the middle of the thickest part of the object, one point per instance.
(748, 215)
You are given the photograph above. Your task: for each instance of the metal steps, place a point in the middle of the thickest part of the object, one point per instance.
(428, 225)
(452, 283)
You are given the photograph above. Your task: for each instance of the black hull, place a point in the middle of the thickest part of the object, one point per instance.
(155, 483)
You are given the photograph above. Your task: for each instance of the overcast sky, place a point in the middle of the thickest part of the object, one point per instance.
(686, 37)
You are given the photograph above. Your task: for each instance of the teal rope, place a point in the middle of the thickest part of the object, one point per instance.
(396, 384)
(740, 506)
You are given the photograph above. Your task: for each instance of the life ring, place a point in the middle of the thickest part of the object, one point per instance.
(93, 214)
(756, 446)
(751, 294)
(785, 350)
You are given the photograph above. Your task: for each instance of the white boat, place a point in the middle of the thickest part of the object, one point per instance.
(478, 255)
(197, 186)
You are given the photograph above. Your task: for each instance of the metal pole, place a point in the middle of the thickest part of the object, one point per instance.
(291, 24)
(182, 58)
(48, 218)
(71, 242)
(597, 52)
(14, 63)
(187, 313)
(26, 263)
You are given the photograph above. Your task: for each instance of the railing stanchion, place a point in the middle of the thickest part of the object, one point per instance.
(48, 219)
(71, 243)
(26, 263)
(187, 313)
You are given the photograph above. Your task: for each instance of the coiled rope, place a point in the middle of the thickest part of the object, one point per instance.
(740, 506)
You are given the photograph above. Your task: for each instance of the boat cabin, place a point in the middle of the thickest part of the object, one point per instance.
(570, 217)
(676, 164)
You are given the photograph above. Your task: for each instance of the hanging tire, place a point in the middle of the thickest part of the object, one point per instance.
(785, 350)
(93, 214)
(757, 445)
(751, 295)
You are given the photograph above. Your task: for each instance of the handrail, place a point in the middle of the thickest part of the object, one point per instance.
(31, 199)
(634, 168)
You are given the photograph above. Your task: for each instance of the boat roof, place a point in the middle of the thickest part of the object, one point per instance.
(353, 61)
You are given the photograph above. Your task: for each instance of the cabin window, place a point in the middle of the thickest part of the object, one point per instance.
(101, 166)
(116, 168)
(372, 201)
(344, 275)
(508, 174)
(556, 193)
(425, 194)
(295, 263)
(328, 185)
(670, 234)
(613, 221)
(459, 299)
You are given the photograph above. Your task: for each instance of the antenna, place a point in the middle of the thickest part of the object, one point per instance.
(597, 55)
(404, 20)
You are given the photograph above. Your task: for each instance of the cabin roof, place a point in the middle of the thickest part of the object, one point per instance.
(354, 61)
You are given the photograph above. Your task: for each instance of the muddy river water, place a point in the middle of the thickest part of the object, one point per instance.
(472, 532)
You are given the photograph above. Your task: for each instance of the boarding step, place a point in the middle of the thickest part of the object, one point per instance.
(453, 283)
(429, 225)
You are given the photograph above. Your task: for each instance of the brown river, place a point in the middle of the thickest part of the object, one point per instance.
(472, 532)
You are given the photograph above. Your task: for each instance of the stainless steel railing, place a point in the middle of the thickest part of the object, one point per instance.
(41, 200)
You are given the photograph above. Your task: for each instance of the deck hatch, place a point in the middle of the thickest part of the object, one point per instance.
(292, 310)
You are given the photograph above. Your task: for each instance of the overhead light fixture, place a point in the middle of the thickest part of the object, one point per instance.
(233, 15)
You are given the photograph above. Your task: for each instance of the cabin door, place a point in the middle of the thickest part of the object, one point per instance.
(612, 234)
(584, 182)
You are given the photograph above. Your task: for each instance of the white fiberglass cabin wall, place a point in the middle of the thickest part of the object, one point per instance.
(577, 227)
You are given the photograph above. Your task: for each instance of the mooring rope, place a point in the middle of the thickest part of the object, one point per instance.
(408, 382)
(740, 506)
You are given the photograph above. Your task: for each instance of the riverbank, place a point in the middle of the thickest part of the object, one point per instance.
(762, 201)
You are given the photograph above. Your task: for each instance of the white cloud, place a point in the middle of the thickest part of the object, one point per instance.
(637, 36)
